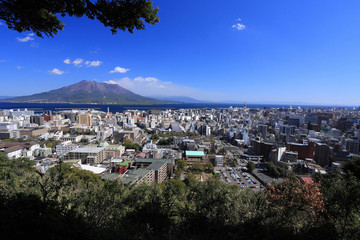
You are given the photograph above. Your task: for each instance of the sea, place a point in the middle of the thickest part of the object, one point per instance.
(40, 107)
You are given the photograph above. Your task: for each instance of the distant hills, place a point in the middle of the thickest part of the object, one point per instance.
(3, 97)
(180, 99)
(89, 92)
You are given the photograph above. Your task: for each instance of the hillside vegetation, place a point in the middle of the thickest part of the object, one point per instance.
(69, 203)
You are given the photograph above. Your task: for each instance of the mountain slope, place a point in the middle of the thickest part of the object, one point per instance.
(88, 92)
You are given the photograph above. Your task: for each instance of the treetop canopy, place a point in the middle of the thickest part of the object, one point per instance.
(41, 16)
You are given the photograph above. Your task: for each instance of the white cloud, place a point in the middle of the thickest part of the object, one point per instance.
(78, 61)
(56, 71)
(239, 26)
(29, 37)
(151, 86)
(93, 63)
(119, 70)
(238, 19)
(19, 67)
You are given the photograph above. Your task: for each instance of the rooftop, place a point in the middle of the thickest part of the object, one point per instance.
(156, 165)
(12, 149)
(151, 160)
(124, 163)
(133, 176)
(307, 180)
(110, 176)
(195, 153)
(87, 150)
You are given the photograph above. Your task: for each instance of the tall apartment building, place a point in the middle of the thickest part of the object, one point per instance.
(304, 150)
(262, 131)
(322, 154)
(72, 116)
(87, 155)
(85, 119)
(65, 147)
(37, 119)
(8, 130)
(149, 170)
(352, 145)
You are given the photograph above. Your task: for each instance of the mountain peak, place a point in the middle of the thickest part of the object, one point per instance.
(89, 92)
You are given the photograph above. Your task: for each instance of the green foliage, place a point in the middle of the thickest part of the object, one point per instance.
(131, 145)
(216, 176)
(209, 168)
(16, 175)
(70, 203)
(41, 16)
(181, 164)
(10, 140)
(210, 140)
(178, 172)
(17, 140)
(232, 162)
(154, 137)
(294, 206)
(272, 170)
(342, 202)
(353, 167)
(196, 168)
(250, 166)
(167, 141)
(51, 143)
(84, 140)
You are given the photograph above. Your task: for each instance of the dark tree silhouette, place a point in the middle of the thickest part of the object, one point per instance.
(42, 16)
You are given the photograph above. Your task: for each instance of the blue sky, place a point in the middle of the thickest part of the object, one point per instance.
(240, 50)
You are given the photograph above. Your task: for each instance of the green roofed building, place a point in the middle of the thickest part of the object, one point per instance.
(149, 170)
(138, 176)
(195, 156)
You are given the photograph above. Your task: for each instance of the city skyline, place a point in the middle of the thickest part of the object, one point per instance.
(279, 52)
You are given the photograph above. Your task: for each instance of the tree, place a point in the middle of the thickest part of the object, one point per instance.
(181, 164)
(131, 145)
(232, 162)
(51, 143)
(272, 170)
(154, 137)
(167, 141)
(250, 166)
(196, 167)
(209, 168)
(294, 207)
(41, 16)
(342, 202)
(353, 167)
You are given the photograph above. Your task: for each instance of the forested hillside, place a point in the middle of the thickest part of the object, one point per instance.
(69, 203)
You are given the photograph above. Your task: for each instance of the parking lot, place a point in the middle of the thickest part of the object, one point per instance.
(237, 176)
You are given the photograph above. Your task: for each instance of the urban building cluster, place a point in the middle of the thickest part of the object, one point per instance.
(145, 146)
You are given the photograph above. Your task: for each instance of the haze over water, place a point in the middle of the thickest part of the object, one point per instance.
(39, 107)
